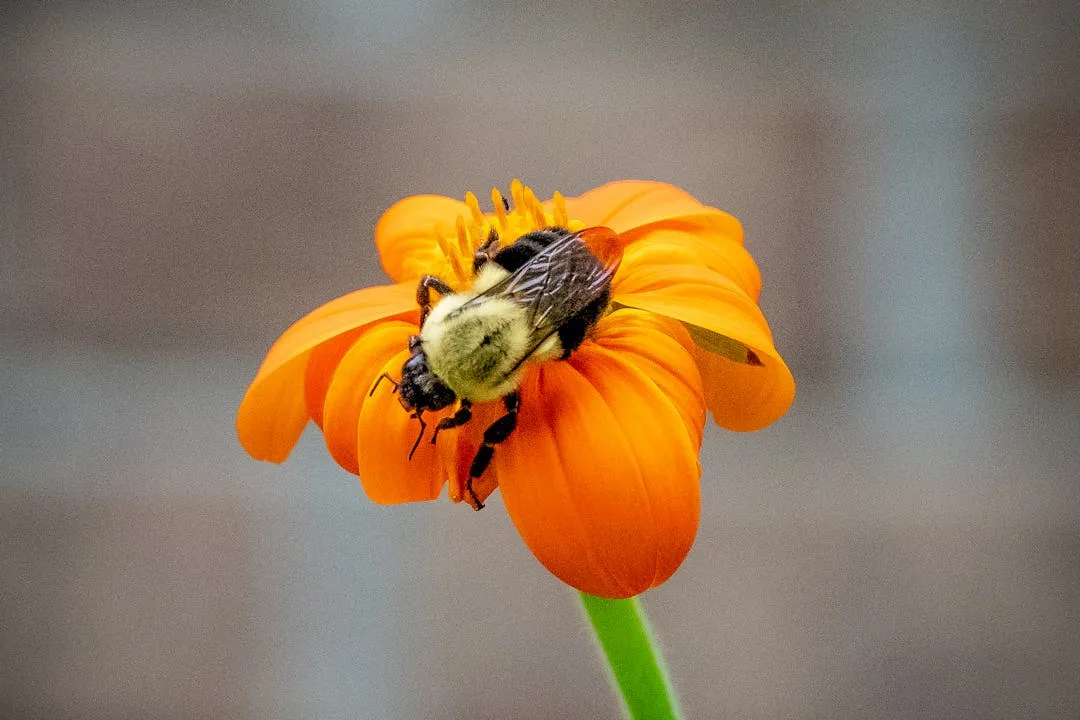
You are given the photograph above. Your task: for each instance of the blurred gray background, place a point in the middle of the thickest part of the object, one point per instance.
(178, 185)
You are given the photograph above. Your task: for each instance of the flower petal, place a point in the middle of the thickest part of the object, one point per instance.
(632, 204)
(683, 243)
(386, 434)
(746, 397)
(321, 365)
(601, 476)
(662, 349)
(352, 381)
(274, 410)
(741, 396)
(406, 234)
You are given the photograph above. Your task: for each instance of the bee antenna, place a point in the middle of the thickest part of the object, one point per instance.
(384, 376)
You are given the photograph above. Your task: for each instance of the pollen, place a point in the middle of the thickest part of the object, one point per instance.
(511, 218)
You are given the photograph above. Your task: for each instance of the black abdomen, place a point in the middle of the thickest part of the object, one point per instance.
(573, 331)
(519, 252)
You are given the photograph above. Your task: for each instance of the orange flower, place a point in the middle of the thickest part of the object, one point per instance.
(601, 475)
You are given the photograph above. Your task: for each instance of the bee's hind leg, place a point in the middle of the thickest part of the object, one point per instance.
(495, 434)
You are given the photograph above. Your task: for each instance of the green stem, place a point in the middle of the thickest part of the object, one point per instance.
(633, 657)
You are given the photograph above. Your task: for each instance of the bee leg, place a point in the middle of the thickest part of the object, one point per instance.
(495, 434)
(462, 416)
(486, 252)
(423, 427)
(423, 293)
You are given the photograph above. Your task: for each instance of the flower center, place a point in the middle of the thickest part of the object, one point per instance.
(520, 214)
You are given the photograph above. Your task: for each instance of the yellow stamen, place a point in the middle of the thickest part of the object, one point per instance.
(535, 208)
(518, 195)
(560, 209)
(441, 235)
(500, 208)
(455, 263)
(449, 252)
(458, 245)
(464, 246)
(474, 208)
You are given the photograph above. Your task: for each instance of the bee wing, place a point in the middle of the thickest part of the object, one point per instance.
(563, 279)
(571, 278)
(604, 245)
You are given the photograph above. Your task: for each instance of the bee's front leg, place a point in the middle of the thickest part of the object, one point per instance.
(462, 416)
(423, 293)
(386, 377)
(423, 426)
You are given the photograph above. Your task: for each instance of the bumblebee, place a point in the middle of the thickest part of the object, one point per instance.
(532, 301)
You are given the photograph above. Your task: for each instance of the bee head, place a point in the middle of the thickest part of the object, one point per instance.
(420, 388)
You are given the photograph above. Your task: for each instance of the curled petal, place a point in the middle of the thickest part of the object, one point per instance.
(274, 410)
(601, 476)
(746, 397)
(406, 234)
(706, 299)
(635, 204)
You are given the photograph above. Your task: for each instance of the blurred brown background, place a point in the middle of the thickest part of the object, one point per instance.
(178, 185)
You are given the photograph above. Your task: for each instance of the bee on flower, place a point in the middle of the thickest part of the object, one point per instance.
(565, 352)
